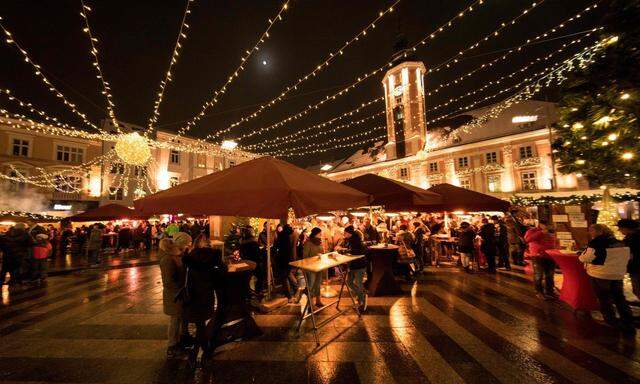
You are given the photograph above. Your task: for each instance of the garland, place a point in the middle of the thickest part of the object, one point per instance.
(571, 200)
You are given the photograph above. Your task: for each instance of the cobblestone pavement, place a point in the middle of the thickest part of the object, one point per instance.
(449, 327)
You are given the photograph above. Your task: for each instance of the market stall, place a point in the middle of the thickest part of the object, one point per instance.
(265, 187)
(107, 212)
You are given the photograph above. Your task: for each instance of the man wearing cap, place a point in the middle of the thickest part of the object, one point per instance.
(631, 232)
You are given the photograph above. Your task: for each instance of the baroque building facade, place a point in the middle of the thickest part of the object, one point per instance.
(505, 155)
(25, 152)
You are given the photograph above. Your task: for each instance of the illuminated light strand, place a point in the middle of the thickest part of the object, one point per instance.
(298, 134)
(515, 73)
(552, 76)
(217, 94)
(182, 35)
(324, 143)
(495, 33)
(10, 40)
(516, 49)
(346, 145)
(106, 88)
(33, 109)
(318, 68)
(361, 78)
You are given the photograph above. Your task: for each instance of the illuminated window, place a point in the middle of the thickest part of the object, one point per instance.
(201, 160)
(69, 154)
(465, 183)
(404, 173)
(528, 181)
(173, 181)
(433, 167)
(174, 156)
(526, 152)
(493, 183)
(491, 157)
(20, 147)
(524, 119)
(232, 163)
(463, 162)
(116, 193)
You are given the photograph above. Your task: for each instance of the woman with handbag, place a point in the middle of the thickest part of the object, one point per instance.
(173, 278)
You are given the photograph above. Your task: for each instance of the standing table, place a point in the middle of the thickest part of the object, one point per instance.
(322, 263)
(382, 282)
(576, 288)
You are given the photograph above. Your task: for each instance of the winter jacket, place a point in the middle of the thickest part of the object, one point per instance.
(371, 234)
(633, 242)
(173, 275)
(95, 240)
(606, 258)
(539, 242)
(312, 247)
(404, 238)
(19, 242)
(466, 240)
(356, 247)
(249, 249)
(206, 274)
(41, 250)
(488, 234)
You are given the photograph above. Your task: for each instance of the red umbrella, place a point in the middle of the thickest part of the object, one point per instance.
(107, 212)
(461, 199)
(265, 187)
(392, 194)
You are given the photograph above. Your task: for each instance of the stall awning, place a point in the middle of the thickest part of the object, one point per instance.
(107, 212)
(265, 187)
(461, 199)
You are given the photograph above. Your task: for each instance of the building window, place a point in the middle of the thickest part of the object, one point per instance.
(201, 160)
(15, 185)
(491, 157)
(69, 154)
(116, 193)
(433, 167)
(526, 152)
(232, 163)
(117, 168)
(404, 173)
(174, 157)
(21, 147)
(463, 162)
(493, 183)
(465, 183)
(173, 181)
(528, 181)
(68, 184)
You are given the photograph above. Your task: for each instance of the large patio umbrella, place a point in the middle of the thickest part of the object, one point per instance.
(392, 194)
(265, 187)
(107, 212)
(461, 199)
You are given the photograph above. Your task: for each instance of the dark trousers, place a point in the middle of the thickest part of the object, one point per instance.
(543, 269)
(39, 269)
(609, 292)
(503, 253)
(490, 255)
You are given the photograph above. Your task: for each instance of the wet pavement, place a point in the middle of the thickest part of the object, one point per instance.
(76, 262)
(107, 326)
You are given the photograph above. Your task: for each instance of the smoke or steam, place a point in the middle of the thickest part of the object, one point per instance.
(27, 200)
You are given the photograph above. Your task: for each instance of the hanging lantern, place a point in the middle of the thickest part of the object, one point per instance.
(133, 149)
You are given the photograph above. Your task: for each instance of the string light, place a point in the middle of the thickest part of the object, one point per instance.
(337, 146)
(11, 41)
(380, 69)
(133, 149)
(106, 88)
(305, 148)
(217, 94)
(519, 48)
(627, 156)
(168, 78)
(38, 217)
(316, 69)
(298, 136)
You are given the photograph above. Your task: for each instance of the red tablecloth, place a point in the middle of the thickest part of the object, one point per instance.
(576, 289)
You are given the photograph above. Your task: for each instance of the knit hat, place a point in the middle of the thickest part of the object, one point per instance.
(182, 239)
(42, 236)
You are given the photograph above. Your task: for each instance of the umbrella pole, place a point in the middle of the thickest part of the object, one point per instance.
(269, 277)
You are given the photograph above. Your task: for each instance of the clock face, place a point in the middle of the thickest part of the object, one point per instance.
(397, 91)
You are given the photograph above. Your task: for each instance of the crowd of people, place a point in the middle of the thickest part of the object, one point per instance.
(25, 250)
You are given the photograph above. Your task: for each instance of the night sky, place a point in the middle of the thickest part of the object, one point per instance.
(137, 38)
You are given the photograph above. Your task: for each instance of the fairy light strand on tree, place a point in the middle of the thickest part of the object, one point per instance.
(318, 68)
(106, 88)
(168, 78)
(11, 41)
(217, 94)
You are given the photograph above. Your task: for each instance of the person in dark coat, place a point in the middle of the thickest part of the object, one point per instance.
(466, 246)
(19, 244)
(370, 232)
(124, 238)
(5, 250)
(631, 231)
(205, 269)
(250, 250)
(489, 246)
(285, 253)
(354, 245)
(502, 243)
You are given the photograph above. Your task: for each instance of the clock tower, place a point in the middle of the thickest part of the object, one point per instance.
(404, 101)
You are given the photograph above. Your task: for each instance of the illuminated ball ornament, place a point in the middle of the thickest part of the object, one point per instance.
(133, 149)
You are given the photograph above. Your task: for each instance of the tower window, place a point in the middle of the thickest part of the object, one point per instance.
(404, 173)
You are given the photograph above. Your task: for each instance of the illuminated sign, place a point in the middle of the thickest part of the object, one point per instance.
(524, 119)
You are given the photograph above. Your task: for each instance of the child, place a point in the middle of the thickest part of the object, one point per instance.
(41, 251)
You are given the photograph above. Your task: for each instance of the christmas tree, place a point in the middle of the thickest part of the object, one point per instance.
(598, 131)
(608, 213)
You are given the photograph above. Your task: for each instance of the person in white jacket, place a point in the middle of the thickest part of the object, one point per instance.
(606, 260)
